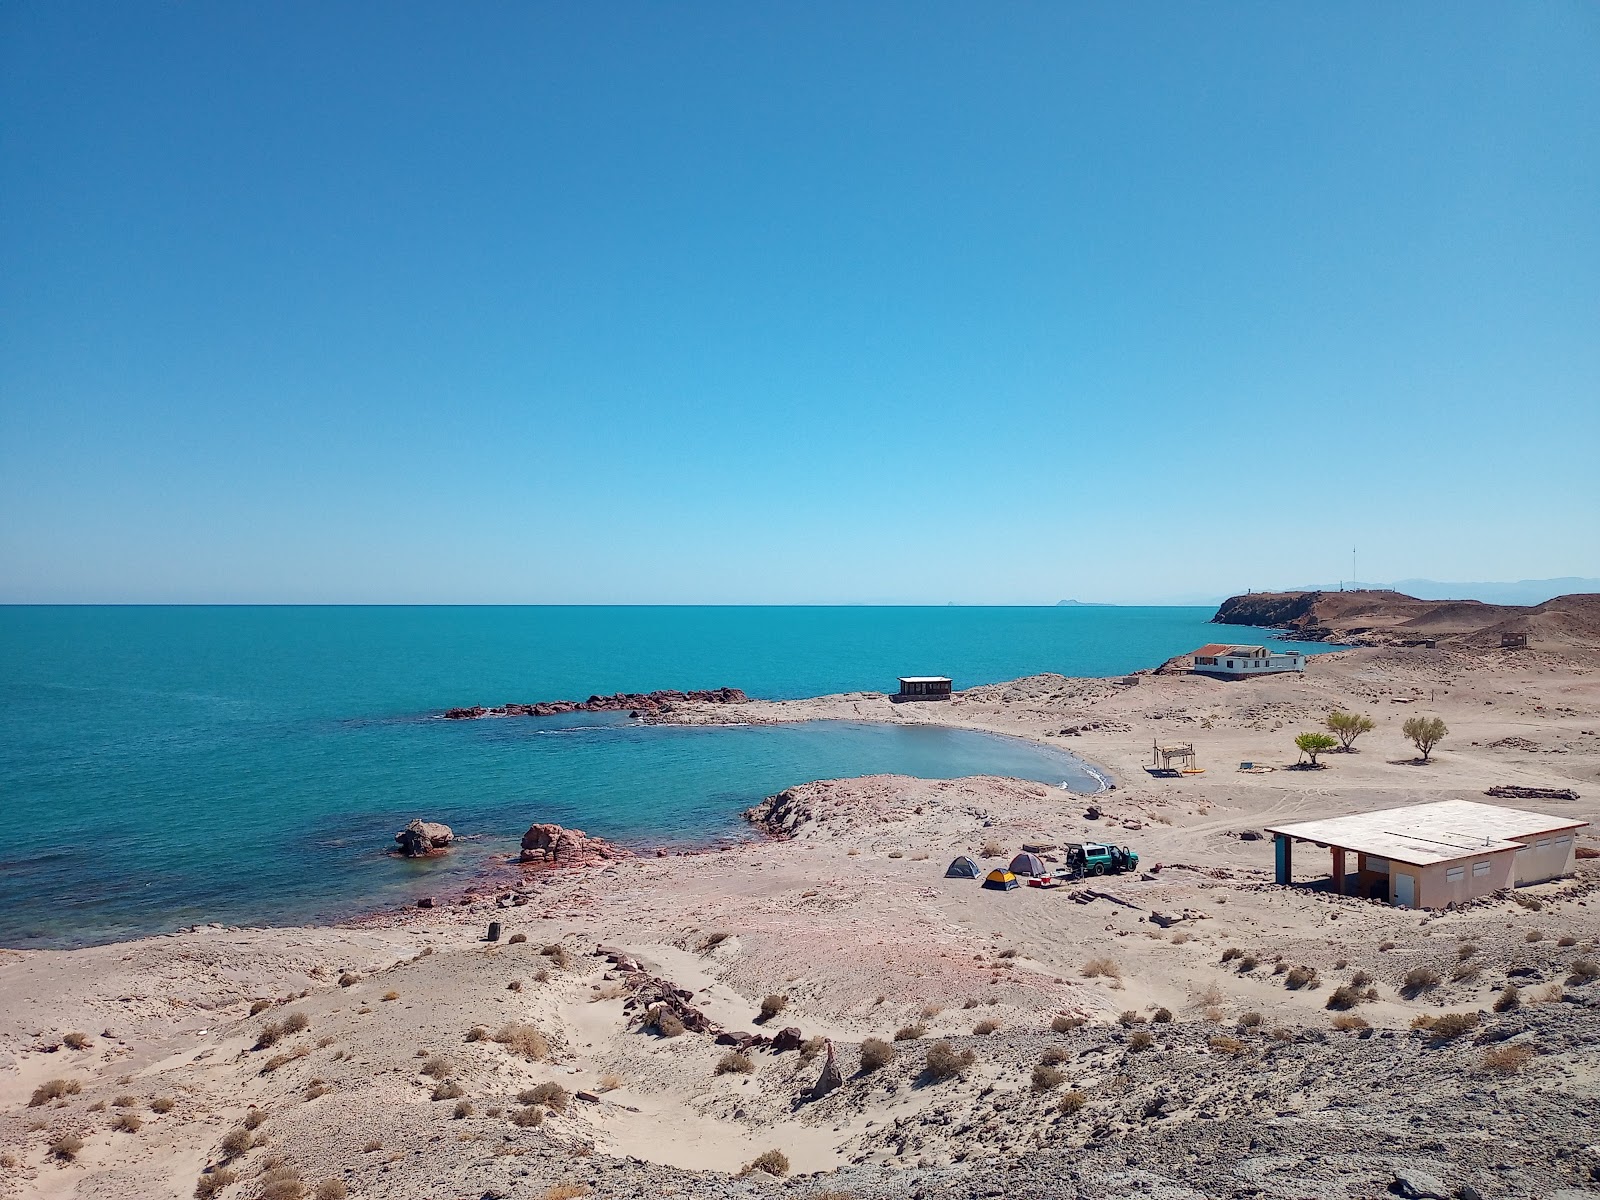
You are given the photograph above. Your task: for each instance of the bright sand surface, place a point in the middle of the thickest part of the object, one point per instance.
(853, 923)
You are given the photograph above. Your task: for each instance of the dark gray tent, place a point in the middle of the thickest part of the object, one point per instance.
(963, 868)
(1029, 864)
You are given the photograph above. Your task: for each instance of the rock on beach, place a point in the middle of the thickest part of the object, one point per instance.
(555, 846)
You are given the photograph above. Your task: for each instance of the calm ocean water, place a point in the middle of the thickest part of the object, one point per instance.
(166, 766)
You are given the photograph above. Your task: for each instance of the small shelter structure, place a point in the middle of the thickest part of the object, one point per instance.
(923, 687)
(1435, 855)
(1000, 880)
(1028, 864)
(963, 867)
(1237, 662)
(1513, 641)
(1162, 757)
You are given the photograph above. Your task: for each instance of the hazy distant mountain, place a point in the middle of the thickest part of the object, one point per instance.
(1524, 591)
(1080, 604)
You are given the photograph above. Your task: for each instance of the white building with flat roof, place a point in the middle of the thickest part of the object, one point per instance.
(1237, 662)
(1435, 855)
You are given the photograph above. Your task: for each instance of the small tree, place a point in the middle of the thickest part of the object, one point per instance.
(1425, 733)
(1313, 744)
(1349, 726)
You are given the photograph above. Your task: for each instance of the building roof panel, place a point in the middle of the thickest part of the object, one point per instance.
(1421, 834)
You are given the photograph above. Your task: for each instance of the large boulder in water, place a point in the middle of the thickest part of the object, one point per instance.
(555, 846)
(421, 838)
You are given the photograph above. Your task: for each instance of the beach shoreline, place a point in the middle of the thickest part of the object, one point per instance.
(851, 921)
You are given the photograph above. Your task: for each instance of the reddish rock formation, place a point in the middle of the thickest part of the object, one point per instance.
(555, 846)
(421, 838)
(636, 703)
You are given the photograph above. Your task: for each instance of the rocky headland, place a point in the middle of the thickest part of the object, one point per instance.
(635, 703)
(1376, 618)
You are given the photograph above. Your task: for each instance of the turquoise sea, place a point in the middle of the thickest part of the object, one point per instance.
(162, 766)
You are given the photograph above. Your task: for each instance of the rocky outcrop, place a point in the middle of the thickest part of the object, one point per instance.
(781, 815)
(1383, 618)
(634, 703)
(421, 838)
(548, 845)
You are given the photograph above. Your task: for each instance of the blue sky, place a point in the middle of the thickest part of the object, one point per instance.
(794, 303)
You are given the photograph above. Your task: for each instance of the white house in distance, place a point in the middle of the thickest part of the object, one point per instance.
(1236, 662)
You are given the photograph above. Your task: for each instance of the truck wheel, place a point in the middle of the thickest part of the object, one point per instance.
(1099, 868)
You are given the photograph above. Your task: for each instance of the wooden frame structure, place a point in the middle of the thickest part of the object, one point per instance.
(1163, 757)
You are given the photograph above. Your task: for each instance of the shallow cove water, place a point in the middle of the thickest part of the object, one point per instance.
(166, 766)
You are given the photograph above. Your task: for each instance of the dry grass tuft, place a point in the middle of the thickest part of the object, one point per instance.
(735, 1063)
(437, 1067)
(1583, 970)
(567, 1191)
(665, 1022)
(1464, 972)
(1300, 977)
(282, 1183)
(1349, 1022)
(558, 954)
(463, 1109)
(387, 996)
(332, 1189)
(549, 1095)
(1509, 999)
(1071, 1102)
(1249, 1020)
(1047, 1079)
(448, 1089)
(54, 1089)
(76, 1041)
(163, 1104)
(296, 1023)
(945, 1061)
(986, 1026)
(910, 1033)
(478, 1033)
(526, 1118)
(128, 1122)
(259, 1007)
(1224, 1044)
(771, 1162)
(516, 939)
(1447, 1027)
(349, 979)
(1061, 1023)
(213, 1181)
(1098, 967)
(1419, 980)
(524, 1040)
(772, 1005)
(66, 1148)
(875, 1053)
(1141, 1039)
(991, 849)
(1161, 1016)
(255, 1118)
(1507, 1060)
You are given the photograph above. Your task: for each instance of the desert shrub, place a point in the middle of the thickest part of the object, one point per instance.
(448, 1089)
(1071, 1102)
(349, 979)
(255, 1118)
(526, 1118)
(771, 1162)
(259, 1007)
(463, 1109)
(332, 1189)
(1464, 972)
(1361, 979)
(551, 1095)
(271, 1034)
(1141, 1039)
(566, 1191)
(282, 1183)
(1507, 1060)
(812, 1047)
(944, 1061)
(66, 1148)
(1300, 977)
(930, 1011)
(1224, 1044)
(1510, 998)
(296, 1023)
(1344, 997)
(1349, 1021)
(558, 954)
(478, 1033)
(1419, 980)
(1047, 1079)
(1101, 966)
(910, 1033)
(715, 939)
(875, 1053)
(1534, 935)
(1583, 970)
(1465, 951)
(772, 1005)
(1161, 1016)
(1054, 1056)
(735, 1063)
(1446, 1027)
(387, 996)
(128, 1122)
(986, 1026)
(516, 939)
(372, 1147)
(1249, 1020)
(665, 1022)
(437, 1067)
(524, 1040)
(54, 1089)
(1231, 953)
(1128, 1017)
(1061, 1023)
(76, 1041)
(236, 1142)
(1247, 964)
(991, 849)
(514, 986)
(162, 1104)
(213, 1181)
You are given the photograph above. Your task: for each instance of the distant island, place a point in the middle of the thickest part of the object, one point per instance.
(1081, 604)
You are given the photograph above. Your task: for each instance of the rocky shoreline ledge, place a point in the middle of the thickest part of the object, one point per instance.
(633, 703)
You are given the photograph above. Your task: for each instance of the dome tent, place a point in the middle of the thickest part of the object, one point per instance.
(1029, 864)
(963, 867)
(1001, 880)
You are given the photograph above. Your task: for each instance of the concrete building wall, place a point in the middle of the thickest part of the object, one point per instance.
(1548, 856)
(1445, 883)
(1276, 664)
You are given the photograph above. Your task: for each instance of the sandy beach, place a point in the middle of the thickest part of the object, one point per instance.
(1094, 1051)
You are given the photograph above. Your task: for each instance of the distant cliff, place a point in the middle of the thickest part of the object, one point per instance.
(1376, 617)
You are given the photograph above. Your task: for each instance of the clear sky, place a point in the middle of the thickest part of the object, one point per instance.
(783, 302)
